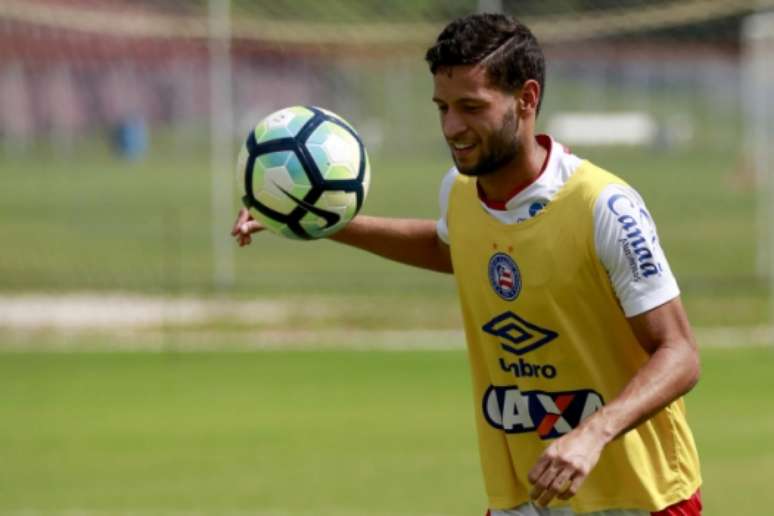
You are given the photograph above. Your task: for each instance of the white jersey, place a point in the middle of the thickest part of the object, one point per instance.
(635, 262)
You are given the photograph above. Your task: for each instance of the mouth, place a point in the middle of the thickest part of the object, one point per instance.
(461, 150)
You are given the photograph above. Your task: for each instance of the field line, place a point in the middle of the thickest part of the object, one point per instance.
(302, 340)
(116, 321)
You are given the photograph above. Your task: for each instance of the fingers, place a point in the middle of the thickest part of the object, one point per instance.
(244, 240)
(537, 470)
(250, 227)
(572, 489)
(553, 482)
(554, 476)
(242, 217)
(244, 226)
(245, 230)
(542, 492)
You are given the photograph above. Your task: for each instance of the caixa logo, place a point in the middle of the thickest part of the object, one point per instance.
(549, 414)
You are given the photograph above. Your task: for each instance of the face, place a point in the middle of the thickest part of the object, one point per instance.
(479, 121)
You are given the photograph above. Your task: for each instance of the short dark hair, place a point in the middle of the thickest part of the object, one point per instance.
(507, 48)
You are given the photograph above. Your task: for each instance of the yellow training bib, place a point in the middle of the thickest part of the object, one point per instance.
(549, 345)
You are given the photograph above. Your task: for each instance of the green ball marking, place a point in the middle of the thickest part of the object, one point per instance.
(340, 172)
(366, 177)
(285, 123)
(335, 150)
(320, 134)
(342, 203)
(280, 204)
(288, 233)
(324, 130)
(260, 131)
(275, 133)
(320, 157)
(273, 159)
(301, 182)
(337, 117)
(303, 115)
(313, 225)
(351, 210)
(241, 166)
(276, 173)
(328, 169)
(270, 224)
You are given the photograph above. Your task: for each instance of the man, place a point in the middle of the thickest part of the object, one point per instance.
(579, 346)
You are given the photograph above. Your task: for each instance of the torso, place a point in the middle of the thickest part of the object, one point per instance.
(635, 262)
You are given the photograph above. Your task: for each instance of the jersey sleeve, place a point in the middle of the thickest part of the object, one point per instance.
(628, 246)
(442, 227)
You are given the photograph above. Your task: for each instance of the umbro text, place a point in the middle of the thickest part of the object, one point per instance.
(522, 369)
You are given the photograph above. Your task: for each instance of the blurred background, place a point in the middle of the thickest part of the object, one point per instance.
(120, 122)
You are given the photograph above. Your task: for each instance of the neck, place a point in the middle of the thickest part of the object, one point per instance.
(521, 171)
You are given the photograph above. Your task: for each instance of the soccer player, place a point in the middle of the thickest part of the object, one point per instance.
(580, 349)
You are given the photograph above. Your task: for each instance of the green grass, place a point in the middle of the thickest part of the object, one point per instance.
(89, 222)
(94, 223)
(305, 433)
(295, 433)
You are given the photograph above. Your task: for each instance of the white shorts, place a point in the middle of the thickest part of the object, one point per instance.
(529, 509)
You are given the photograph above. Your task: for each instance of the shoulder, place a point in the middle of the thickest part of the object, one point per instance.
(618, 199)
(448, 181)
(621, 218)
(593, 181)
(562, 160)
(446, 187)
(620, 210)
(452, 179)
(627, 244)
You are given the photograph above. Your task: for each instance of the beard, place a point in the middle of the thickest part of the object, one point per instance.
(502, 147)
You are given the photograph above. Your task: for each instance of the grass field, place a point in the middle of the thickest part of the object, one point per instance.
(305, 433)
(311, 433)
(89, 222)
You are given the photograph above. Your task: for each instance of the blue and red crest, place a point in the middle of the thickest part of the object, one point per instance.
(504, 276)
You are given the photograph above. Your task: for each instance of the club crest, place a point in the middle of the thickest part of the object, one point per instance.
(504, 276)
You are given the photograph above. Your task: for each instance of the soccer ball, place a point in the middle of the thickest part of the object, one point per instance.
(305, 172)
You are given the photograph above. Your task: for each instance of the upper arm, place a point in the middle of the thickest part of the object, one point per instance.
(445, 253)
(665, 325)
(628, 247)
(665, 331)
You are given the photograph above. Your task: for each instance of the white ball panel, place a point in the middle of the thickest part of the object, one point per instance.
(280, 119)
(341, 151)
(276, 178)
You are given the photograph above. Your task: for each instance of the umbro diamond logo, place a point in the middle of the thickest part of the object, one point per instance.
(517, 335)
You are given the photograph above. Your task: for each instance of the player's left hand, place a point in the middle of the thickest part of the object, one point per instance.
(565, 464)
(244, 226)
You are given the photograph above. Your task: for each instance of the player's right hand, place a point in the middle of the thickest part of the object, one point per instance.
(244, 226)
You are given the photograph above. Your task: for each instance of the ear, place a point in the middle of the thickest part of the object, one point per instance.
(528, 98)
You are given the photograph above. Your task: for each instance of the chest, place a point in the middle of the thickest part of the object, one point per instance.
(554, 250)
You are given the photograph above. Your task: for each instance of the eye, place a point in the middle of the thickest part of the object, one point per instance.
(472, 108)
(443, 109)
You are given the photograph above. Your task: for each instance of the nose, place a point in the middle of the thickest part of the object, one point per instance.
(452, 125)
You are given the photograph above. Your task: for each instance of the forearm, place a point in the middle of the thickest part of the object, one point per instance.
(409, 241)
(671, 371)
